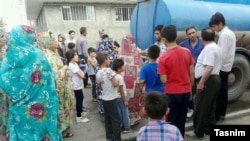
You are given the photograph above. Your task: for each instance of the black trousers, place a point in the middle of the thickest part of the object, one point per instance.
(178, 104)
(191, 102)
(112, 120)
(79, 100)
(221, 103)
(205, 102)
(93, 81)
(85, 80)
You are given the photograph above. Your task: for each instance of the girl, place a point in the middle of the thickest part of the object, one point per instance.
(77, 76)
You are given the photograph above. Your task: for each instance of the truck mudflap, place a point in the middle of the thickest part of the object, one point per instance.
(135, 93)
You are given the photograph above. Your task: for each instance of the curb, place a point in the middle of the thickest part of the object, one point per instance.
(229, 116)
(189, 125)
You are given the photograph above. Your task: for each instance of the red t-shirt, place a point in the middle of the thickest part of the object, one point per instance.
(175, 64)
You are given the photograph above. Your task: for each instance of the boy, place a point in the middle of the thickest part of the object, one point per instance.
(157, 129)
(122, 103)
(106, 81)
(176, 71)
(116, 47)
(92, 64)
(149, 74)
(115, 53)
(72, 38)
(72, 46)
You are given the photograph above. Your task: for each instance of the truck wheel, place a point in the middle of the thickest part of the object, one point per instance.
(238, 78)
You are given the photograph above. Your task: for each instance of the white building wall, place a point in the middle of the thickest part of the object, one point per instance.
(104, 19)
(41, 23)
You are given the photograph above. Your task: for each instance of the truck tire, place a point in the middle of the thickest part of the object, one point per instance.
(238, 78)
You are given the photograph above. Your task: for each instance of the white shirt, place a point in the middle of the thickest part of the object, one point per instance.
(227, 42)
(103, 77)
(211, 56)
(77, 80)
(70, 41)
(121, 82)
(162, 46)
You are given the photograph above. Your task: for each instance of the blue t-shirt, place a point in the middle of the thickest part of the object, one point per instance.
(152, 79)
(194, 51)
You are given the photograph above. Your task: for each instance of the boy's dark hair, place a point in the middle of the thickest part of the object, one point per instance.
(105, 36)
(91, 49)
(190, 27)
(216, 19)
(71, 45)
(208, 34)
(71, 31)
(83, 29)
(101, 56)
(116, 44)
(153, 52)
(156, 104)
(117, 63)
(158, 27)
(169, 32)
(70, 54)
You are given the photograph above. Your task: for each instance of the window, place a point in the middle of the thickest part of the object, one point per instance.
(76, 13)
(123, 13)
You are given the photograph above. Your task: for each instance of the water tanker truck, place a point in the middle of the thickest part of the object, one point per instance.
(183, 13)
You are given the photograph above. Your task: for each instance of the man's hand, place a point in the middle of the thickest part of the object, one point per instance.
(200, 87)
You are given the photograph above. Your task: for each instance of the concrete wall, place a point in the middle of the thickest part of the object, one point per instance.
(104, 19)
(41, 23)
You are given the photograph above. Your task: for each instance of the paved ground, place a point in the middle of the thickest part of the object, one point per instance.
(237, 121)
(94, 129)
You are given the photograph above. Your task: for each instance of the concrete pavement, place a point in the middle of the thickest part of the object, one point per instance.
(94, 129)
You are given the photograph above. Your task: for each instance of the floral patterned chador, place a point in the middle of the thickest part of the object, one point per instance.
(63, 78)
(3, 98)
(28, 79)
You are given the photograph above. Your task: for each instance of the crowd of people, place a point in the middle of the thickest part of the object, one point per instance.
(41, 85)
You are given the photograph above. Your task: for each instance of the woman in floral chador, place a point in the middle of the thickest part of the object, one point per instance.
(3, 97)
(64, 84)
(28, 79)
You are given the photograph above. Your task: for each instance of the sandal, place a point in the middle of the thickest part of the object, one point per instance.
(68, 127)
(67, 135)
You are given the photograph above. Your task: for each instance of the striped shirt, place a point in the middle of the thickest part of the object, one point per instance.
(159, 131)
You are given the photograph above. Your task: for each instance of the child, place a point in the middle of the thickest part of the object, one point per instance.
(92, 64)
(157, 129)
(105, 78)
(71, 46)
(116, 47)
(122, 103)
(149, 74)
(77, 76)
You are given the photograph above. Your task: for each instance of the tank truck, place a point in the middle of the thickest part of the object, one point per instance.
(183, 13)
